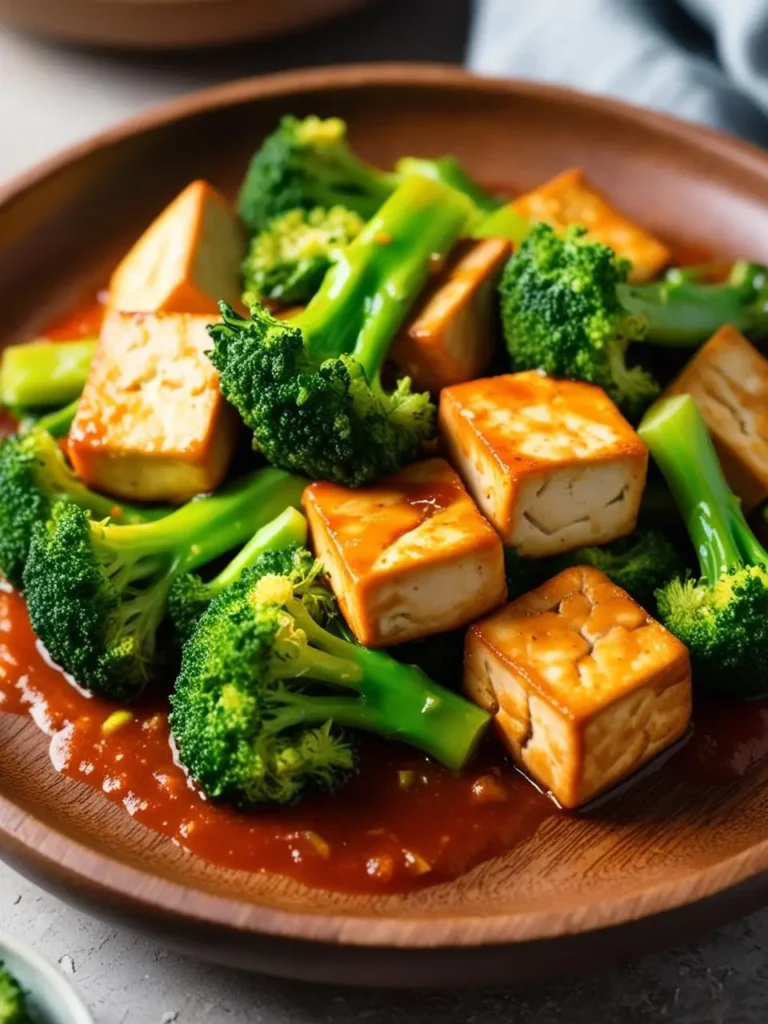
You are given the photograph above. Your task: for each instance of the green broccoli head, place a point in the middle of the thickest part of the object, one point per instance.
(238, 725)
(319, 417)
(267, 683)
(97, 592)
(724, 625)
(95, 604)
(13, 1008)
(189, 595)
(723, 617)
(310, 389)
(34, 474)
(22, 502)
(288, 259)
(306, 163)
(639, 564)
(561, 313)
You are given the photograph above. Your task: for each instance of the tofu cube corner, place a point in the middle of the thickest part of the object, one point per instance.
(151, 424)
(728, 380)
(551, 463)
(584, 686)
(452, 334)
(408, 556)
(570, 198)
(187, 259)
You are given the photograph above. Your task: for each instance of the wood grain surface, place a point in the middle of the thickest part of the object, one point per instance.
(664, 857)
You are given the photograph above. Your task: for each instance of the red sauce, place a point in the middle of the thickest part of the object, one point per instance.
(374, 835)
(730, 738)
(84, 321)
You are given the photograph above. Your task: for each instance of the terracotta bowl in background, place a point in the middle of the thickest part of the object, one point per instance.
(167, 24)
(658, 861)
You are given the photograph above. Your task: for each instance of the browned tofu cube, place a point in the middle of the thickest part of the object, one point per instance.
(552, 463)
(408, 556)
(584, 686)
(186, 260)
(151, 424)
(571, 199)
(728, 380)
(452, 333)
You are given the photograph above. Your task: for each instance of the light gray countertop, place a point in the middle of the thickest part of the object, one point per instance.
(50, 97)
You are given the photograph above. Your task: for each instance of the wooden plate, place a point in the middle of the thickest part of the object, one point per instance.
(168, 24)
(648, 867)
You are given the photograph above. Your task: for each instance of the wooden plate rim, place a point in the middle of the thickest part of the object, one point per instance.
(30, 843)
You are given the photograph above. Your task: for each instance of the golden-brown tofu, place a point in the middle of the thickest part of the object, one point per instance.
(408, 556)
(584, 686)
(186, 260)
(451, 335)
(553, 464)
(151, 424)
(570, 198)
(728, 380)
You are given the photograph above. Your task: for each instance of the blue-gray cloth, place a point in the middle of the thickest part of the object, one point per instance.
(704, 60)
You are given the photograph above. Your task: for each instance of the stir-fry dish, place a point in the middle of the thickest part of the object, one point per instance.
(379, 455)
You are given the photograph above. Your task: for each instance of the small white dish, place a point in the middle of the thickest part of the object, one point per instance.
(50, 997)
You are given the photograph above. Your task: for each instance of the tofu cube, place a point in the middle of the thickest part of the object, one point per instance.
(552, 463)
(728, 380)
(151, 424)
(409, 556)
(570, 198)
(584, 686)
(451, 336)
(186, 261)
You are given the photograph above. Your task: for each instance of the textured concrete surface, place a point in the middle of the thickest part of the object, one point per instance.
(48, 98)
(127, 980)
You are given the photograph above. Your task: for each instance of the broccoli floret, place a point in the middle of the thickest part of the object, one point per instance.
(307, 162)
(33, 475)
(309, 388)
(13, 1004)
(97, 592)
(568, 310)
(723, 616)
(561, 314)
(43, 374)
(639, 564)
(189, 595)
(253, 717)
(288, 260)
(683, 310)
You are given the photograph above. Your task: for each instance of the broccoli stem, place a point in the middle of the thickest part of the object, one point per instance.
(211, 525)
(448, 171)
(56, 423)
(504, 223)
(683, 312)
(290, 527)
(680, 443)
(44, 373)
(57, 481)
(395, 700)
(366, 295)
